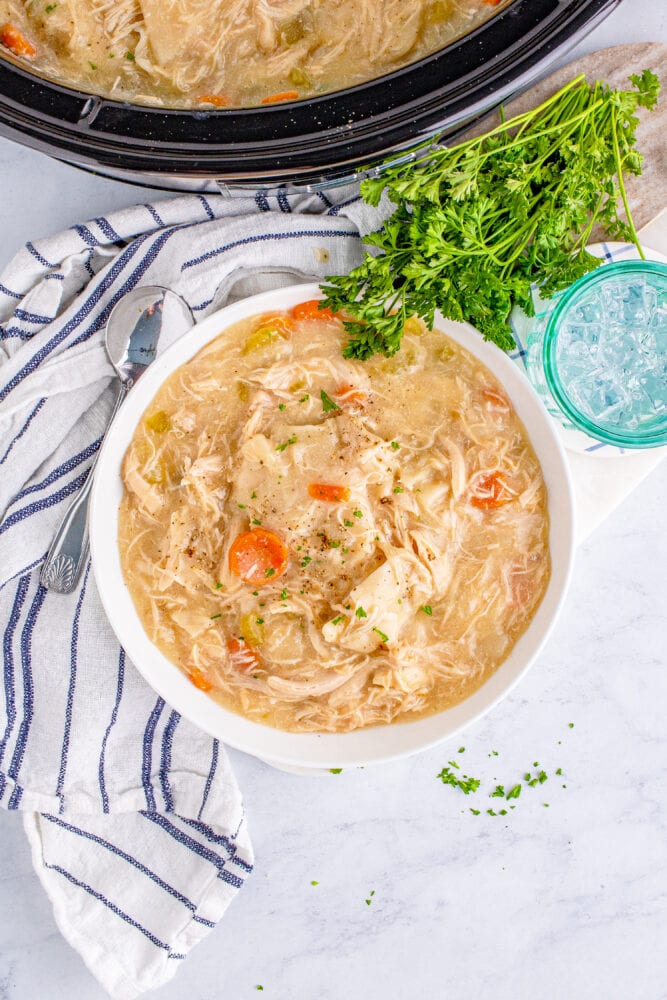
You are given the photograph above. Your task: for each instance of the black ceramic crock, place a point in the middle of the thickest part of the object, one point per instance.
(312, 143)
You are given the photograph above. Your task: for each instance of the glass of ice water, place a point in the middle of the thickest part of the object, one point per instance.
(604, 354)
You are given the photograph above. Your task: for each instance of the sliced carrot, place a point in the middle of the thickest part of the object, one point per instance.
(311, 310)
(497, 400)
(199, 680)
(351, 394)
(16, 41)
(491, 492)
(258, 556)
(286, 95)
(242, 656)
(492, 3)
(217, 100)
(329, 491)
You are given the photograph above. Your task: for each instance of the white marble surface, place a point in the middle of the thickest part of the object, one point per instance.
(561, 903)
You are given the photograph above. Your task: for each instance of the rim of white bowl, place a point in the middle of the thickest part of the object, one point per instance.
(316, 751)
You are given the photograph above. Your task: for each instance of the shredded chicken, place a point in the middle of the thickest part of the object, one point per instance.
(405, 506)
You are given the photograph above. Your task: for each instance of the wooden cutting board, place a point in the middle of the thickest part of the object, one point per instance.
(647, 194)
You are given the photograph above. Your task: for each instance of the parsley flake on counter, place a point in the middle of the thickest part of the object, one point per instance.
(328, 404)
(514, 793)
(313, 882)
(461, 750)
(499, 792)
(464, 783)
(335, 770)
(570, 725)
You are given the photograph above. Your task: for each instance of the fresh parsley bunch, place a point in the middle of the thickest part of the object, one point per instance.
(476, 224)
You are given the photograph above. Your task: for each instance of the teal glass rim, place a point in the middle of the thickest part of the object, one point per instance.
(656, 434)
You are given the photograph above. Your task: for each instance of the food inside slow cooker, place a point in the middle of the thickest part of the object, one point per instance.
(228, 53)
(324, 544)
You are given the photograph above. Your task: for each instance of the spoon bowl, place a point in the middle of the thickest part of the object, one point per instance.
(132, 334)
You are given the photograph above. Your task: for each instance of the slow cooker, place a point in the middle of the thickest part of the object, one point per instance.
(312, 143)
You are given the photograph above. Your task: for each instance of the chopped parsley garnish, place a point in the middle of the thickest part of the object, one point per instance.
(282, 406)
(130, 56)
(462, 750)
(255, 593)
(92, 66)
(559, 771)
(395, 445)
(291, 440)
(283, 594)
(335, 770)
(253, 495)
(241, 506)
(338, 620)
(371, 894)
(313, 882)
(270, 571)
(398, 489)
(357, 513)
(255, 520)
(427, 609)
(327, 403)
(348, 524)
(219, 615)
(570, 725)
(219, 585)
(333, 544)
(50, 8)
(260, 621)
(360, 613)
(466, 784)
(304, 399)
(305, 561)
(475, 812)
(383, 637)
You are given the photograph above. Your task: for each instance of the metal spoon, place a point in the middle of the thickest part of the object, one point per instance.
(131, 338)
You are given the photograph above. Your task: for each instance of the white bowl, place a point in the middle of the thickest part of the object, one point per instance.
(306, 750)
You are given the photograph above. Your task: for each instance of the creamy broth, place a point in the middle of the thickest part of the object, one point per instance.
(325, 544)
(228, 53)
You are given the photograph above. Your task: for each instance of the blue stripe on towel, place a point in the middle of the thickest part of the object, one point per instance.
(112, 723)
(60, 470)
(211, 775)
(32, 249)
(217, 838)
(109, 904)
(120, 853)
(266, 238)
(165, 764)
(45, 503)
(181, 837)
(10, 293)
(26, 662)
(8, 657)
(25, 427)
(28, 317)
(106, 228)
(147, 756)
(70, 692)
(207, 207)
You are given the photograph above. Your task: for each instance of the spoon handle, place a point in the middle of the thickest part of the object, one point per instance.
(65, 559)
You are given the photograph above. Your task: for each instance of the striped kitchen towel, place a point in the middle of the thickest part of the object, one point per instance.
(134, 817)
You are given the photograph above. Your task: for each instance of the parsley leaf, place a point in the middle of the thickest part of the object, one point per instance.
(383, 637)
(290, 440)
(327, 403)
(360, 613)
(464, 783)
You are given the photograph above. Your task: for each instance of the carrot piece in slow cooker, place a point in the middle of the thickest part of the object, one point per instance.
(286, 95)
(199, 680)
(15, 41)
(330, 492)
(217, 100)
(258, 556)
